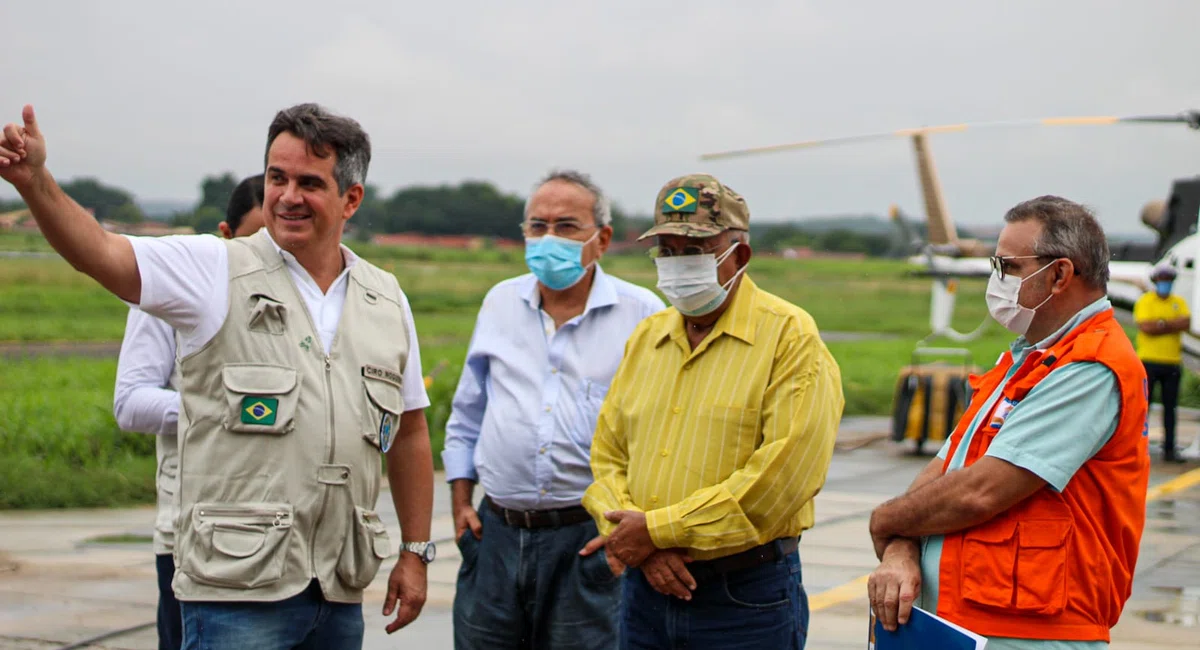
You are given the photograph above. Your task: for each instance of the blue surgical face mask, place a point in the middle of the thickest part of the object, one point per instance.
(1163, 287)
(556, 261)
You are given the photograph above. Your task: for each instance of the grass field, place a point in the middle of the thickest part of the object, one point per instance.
(62, 447)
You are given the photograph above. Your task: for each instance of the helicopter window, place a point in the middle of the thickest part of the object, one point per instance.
(1189, 264)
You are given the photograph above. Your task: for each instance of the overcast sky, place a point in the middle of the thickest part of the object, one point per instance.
(151, 96)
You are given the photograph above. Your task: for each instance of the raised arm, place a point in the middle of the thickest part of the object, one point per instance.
(75, 234)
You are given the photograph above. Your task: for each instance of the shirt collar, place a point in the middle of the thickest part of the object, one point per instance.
(1022, 345)
(602, 294)
(348, 256)
(737, 321)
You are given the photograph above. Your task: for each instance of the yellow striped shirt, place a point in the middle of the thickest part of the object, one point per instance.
(723, 447)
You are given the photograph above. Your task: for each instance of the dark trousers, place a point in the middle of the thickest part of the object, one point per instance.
(529, 588)
(303, 622)
(752, 609)
(170, 622)
(1167, 377)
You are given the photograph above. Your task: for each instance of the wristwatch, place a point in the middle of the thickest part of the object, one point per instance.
(424, 550)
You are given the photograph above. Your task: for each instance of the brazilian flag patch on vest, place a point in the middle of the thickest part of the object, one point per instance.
(259, 410)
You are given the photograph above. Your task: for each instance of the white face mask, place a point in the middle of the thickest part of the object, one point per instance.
(690, 281)
(1002, 296)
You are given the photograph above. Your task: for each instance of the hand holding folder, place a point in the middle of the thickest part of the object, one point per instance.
(922, 631)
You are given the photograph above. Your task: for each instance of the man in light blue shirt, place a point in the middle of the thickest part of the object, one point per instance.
(1048, 281)
(545, 347)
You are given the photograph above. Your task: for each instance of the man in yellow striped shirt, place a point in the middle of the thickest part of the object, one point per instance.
(716, 434)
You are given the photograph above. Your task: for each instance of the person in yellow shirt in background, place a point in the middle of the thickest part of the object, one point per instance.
(716, 434)
(1161, 320)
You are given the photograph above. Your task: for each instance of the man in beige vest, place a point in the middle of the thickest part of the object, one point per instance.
(146, 400)
(296, 358)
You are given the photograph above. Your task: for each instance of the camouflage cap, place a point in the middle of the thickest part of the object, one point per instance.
(697, 205)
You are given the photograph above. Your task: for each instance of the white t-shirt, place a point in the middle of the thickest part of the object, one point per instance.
(185, 282)
(141, 400)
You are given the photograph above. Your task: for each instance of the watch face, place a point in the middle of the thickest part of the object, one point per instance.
(430, 552)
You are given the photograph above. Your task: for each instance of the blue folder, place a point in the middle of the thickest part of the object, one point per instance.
(922, 632)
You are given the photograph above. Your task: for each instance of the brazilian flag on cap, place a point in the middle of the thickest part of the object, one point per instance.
(681, 199)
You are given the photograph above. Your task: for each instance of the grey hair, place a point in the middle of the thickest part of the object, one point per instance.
(1069, 230)
(321, 130)
(601, 207)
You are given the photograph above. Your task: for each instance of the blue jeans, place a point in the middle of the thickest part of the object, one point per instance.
(756, 608)
(529, 588)
(170, 621)
(306, 621)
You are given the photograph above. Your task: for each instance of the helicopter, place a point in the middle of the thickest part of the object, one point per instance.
(945, 257)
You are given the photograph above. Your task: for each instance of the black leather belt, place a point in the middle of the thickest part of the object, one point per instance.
(749, 558)
(540, 518)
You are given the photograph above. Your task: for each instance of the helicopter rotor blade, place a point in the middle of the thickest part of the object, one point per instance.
(1191, 118)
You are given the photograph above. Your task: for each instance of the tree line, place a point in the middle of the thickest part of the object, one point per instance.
(468, 208)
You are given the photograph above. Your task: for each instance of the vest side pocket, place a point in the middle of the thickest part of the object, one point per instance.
(366, 547)
(989, 559)
(167, 482)
(239, 545)
(384, 402)
(1042, 566)
(260, 398)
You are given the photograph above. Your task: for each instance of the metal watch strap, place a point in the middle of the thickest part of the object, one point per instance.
(417, 548)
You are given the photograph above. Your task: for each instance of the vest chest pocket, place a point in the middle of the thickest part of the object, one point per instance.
(260, 398)
(367, 545)
(237, 544)
(384, 402)
(1017, 566)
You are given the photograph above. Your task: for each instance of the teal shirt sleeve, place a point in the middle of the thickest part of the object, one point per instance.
(1067, 417)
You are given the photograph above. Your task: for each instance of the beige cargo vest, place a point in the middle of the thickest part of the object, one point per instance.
(166, 480)
(279, 454)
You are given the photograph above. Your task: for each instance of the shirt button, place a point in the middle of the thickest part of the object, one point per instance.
(653, 499)
(542, 450)
(543, 493)
(554, 371)
(676, 409)
(664, 453)
(547, 409)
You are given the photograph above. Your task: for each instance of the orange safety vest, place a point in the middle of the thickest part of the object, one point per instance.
(1057, 565)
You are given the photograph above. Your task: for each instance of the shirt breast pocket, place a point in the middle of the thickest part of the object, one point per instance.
(735, 428)
(592, 394)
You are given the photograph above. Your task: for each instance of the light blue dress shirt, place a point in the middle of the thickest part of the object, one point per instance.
(1063, 421)
(526, 405)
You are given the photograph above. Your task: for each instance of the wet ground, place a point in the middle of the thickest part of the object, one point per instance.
(59, 585)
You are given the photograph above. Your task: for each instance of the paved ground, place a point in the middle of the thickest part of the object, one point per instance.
(58, 586)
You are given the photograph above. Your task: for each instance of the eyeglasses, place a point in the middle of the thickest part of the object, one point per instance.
(662, 251)
(539, 228)
(1000, 262)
